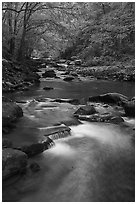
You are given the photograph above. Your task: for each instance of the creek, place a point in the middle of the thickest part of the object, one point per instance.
(96, 163)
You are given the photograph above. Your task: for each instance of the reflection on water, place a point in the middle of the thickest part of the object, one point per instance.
(76, 89)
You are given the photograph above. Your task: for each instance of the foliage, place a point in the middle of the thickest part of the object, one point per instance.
(89, 30)
(110, 33)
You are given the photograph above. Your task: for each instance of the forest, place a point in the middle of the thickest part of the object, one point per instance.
(99, 33)
(68, 101)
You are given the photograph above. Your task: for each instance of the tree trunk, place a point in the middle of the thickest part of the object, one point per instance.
(21, 51)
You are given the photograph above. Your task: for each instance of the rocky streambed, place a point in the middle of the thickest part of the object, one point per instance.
(34, 120)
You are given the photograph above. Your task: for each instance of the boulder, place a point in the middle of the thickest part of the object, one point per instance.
(49, 73)
(112, 98)
(86, 110)
(13, 162)
(36, 148)
(69, 78)
(10, 113)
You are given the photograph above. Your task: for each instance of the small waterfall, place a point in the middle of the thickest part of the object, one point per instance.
(60, 135)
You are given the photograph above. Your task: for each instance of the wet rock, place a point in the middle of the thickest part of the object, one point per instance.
(6, 143)
(71, 101)
(112, 98)
(34, 167)
(32, 149)
(69, 78)
(13, 162)
(106, 117)
(56, 130)
(85, 110)
(47, 88)
(71, 121)
(37, 148)
(116, 119)
(10, 113)
(49, 73)
(129, 109)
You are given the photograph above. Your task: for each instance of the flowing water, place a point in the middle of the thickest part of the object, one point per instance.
(95, 163)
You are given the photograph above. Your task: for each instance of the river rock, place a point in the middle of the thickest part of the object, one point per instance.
(69, 78)
(13, 162)
(85, 110)
(36, 148)
(106, 117)
(112, 98)
(56, 129)
(10, 113)
(71, 121)
(49, 73)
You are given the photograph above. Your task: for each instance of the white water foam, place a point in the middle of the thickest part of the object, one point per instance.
(62, 149)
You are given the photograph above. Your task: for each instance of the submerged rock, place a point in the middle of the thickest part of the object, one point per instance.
(113, 98)
(13, 162)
